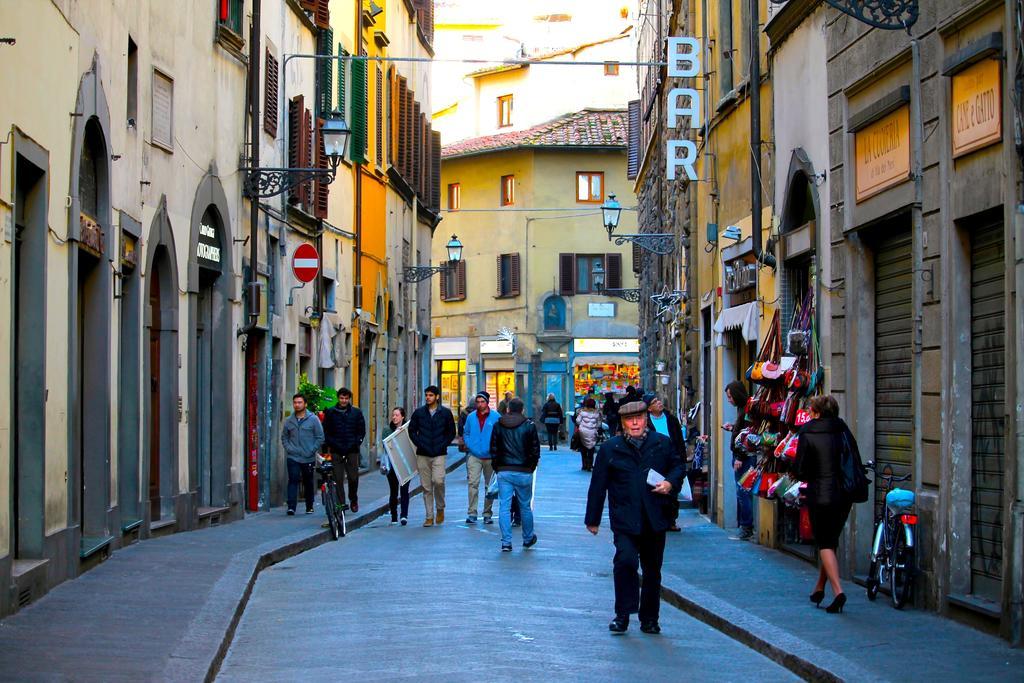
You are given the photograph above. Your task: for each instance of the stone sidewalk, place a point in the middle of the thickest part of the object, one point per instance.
(759, 596)
(164, 609)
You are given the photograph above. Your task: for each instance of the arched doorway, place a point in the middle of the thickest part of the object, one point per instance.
(161, 416)
(90, 347)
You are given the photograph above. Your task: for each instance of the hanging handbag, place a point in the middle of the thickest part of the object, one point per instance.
(767, 479)
(746, 479)
(806, 531)
(779, 487)
(771, 371)
(792, 494)
(576, 443)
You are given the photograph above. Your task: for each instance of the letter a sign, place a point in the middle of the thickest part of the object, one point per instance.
(305, 263)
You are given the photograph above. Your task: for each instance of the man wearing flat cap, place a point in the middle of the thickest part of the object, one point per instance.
(640, 473)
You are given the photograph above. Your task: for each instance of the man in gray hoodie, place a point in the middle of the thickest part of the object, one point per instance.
(302, 436)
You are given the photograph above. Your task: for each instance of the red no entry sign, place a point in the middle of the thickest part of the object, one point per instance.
(305, 263)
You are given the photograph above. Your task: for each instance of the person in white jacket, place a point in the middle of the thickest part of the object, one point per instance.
(588, 421)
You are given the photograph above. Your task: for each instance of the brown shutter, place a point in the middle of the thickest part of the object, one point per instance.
(407, 135)
(320, 210)
(514, 277)
(462, 279)
(308, 133)
(322, 14)
(417, 148)
(295, 113)
(567, 274)
(393, 118)
(499, 278)
(380, 117)
(633, 148)
(444, 286)
(435, 170)
(613, 271)
(270, 95)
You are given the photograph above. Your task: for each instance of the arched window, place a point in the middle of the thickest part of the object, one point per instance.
(554, 313)
(89, 171)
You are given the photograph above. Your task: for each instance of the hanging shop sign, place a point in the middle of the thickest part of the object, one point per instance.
(683, 103)
(208, 248)
(883, 153)
(606, 345)
(977, 107)
(504, 346)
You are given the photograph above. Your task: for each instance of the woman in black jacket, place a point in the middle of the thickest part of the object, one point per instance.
(742, 461)
(552, 417)
(818, 462)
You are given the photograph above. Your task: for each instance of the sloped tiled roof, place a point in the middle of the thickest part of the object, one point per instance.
(587, 128)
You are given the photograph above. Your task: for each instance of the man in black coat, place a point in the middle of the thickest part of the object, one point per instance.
(344, 431)
(432, 430)
(638, 511)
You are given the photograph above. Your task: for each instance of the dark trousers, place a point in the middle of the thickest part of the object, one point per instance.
(350, 464)
(393, 500)
(517, 517)
(645, 550)
(297, 472)
(744, 498)
(552, 436)
(587, 455)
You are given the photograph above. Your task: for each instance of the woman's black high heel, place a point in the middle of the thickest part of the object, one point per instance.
(817, 597)
(837, 604)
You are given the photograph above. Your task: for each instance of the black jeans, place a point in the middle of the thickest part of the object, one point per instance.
(646, 550)
(587, 455)
(552, 436)
(393, 500)
(348, 467)
(297, 472)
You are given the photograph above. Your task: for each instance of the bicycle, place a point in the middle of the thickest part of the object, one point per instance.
(893, 551)
(333, 505)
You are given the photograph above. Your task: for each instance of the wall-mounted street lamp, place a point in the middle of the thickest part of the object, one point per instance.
(420, 273)
(597, 277)
(663, 243)
(268, 182)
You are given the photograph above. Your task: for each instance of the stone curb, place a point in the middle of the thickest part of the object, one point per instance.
(804, 659)
(188, 662)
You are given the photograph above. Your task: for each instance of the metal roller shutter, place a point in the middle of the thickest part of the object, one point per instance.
(893, 356)
(988, 410)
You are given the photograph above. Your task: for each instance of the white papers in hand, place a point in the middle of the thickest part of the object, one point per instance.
(654, 478)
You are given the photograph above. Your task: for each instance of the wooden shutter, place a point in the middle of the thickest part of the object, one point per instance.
(308, 158)
(324, 73)
(424, 170)
(514, 275)
(322, 14)
(567, 274)
(444, 286)
(501, 264)
(417, 148)
(379, 127)
(633, 149)
(613, 271)
(357, 141)
(322, 189)
(435, 170)
(393, 99)
(295, 112)
(461, 278)
(407, 136)
(401, 148)
(309, 6)
(270, 91)
(342, 71)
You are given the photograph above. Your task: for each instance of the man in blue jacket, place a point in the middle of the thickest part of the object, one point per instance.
(477, 438)
(639, 511)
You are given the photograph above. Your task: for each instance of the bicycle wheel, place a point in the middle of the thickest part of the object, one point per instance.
(901, 576)
(342, 525)
(874, 581)
(331, 508)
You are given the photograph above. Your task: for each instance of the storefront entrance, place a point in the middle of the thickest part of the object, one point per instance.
(451, 375)
(497, 382)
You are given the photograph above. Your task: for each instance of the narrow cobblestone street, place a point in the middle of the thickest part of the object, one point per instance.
(446, 604)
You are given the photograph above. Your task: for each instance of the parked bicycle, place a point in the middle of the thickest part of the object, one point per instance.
(893, 559)
(333, 505)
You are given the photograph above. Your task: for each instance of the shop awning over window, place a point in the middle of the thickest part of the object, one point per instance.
(742, 318)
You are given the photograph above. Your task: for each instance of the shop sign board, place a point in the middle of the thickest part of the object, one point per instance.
(506, 346)
(208, 248)
(449, 348)
(883, 153)
(606, 345)
(977, 107)
(683, 103)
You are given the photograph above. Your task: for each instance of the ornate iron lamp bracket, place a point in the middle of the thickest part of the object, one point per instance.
(891, 15)
(663, 243)
(632, 295)
(269, 182)
(421, 273)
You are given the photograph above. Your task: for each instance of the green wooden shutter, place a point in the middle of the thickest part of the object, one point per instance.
(342, 70)
(325, 73)
(359, 111)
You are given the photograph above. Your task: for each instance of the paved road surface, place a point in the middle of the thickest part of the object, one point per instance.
(444, 604)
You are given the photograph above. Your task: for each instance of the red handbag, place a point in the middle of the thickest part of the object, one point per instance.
(806, 532)
(767, 479)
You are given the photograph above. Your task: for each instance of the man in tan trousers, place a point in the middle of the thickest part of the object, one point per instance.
(432, 430)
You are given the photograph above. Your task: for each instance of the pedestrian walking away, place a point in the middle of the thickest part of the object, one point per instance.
(432, 430)
(638, 472)
(515, 450)
(302, 436)
(818, 456)
(665, 423)
(397, 493)
(742, 461)
(611, 413)
(477, 432)
(552, 416)
(588, 422)
(344, 431)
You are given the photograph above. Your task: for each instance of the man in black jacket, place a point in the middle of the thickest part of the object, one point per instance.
(640, 511)
(432, 429)
(515, 454)
(344, 431)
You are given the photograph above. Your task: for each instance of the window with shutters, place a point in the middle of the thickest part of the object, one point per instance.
(321, 189)
(324, 73)
(358, 138)
(453, 283)
(401, 146)
(508, 190)
(270, 94)
(504, 111)
(319, 11)
(341, 99)
(633, 147)
(589, 187)
(229, 15)
(416, 172)
(567, 274)
(585, 272)
(379, 113)
(508, 275)
(454, 196)
(435, 170)
(300, 146)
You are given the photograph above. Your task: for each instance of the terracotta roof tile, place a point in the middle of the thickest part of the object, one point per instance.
(587, 128)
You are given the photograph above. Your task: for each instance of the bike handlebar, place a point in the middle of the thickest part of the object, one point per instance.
(890, 478)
